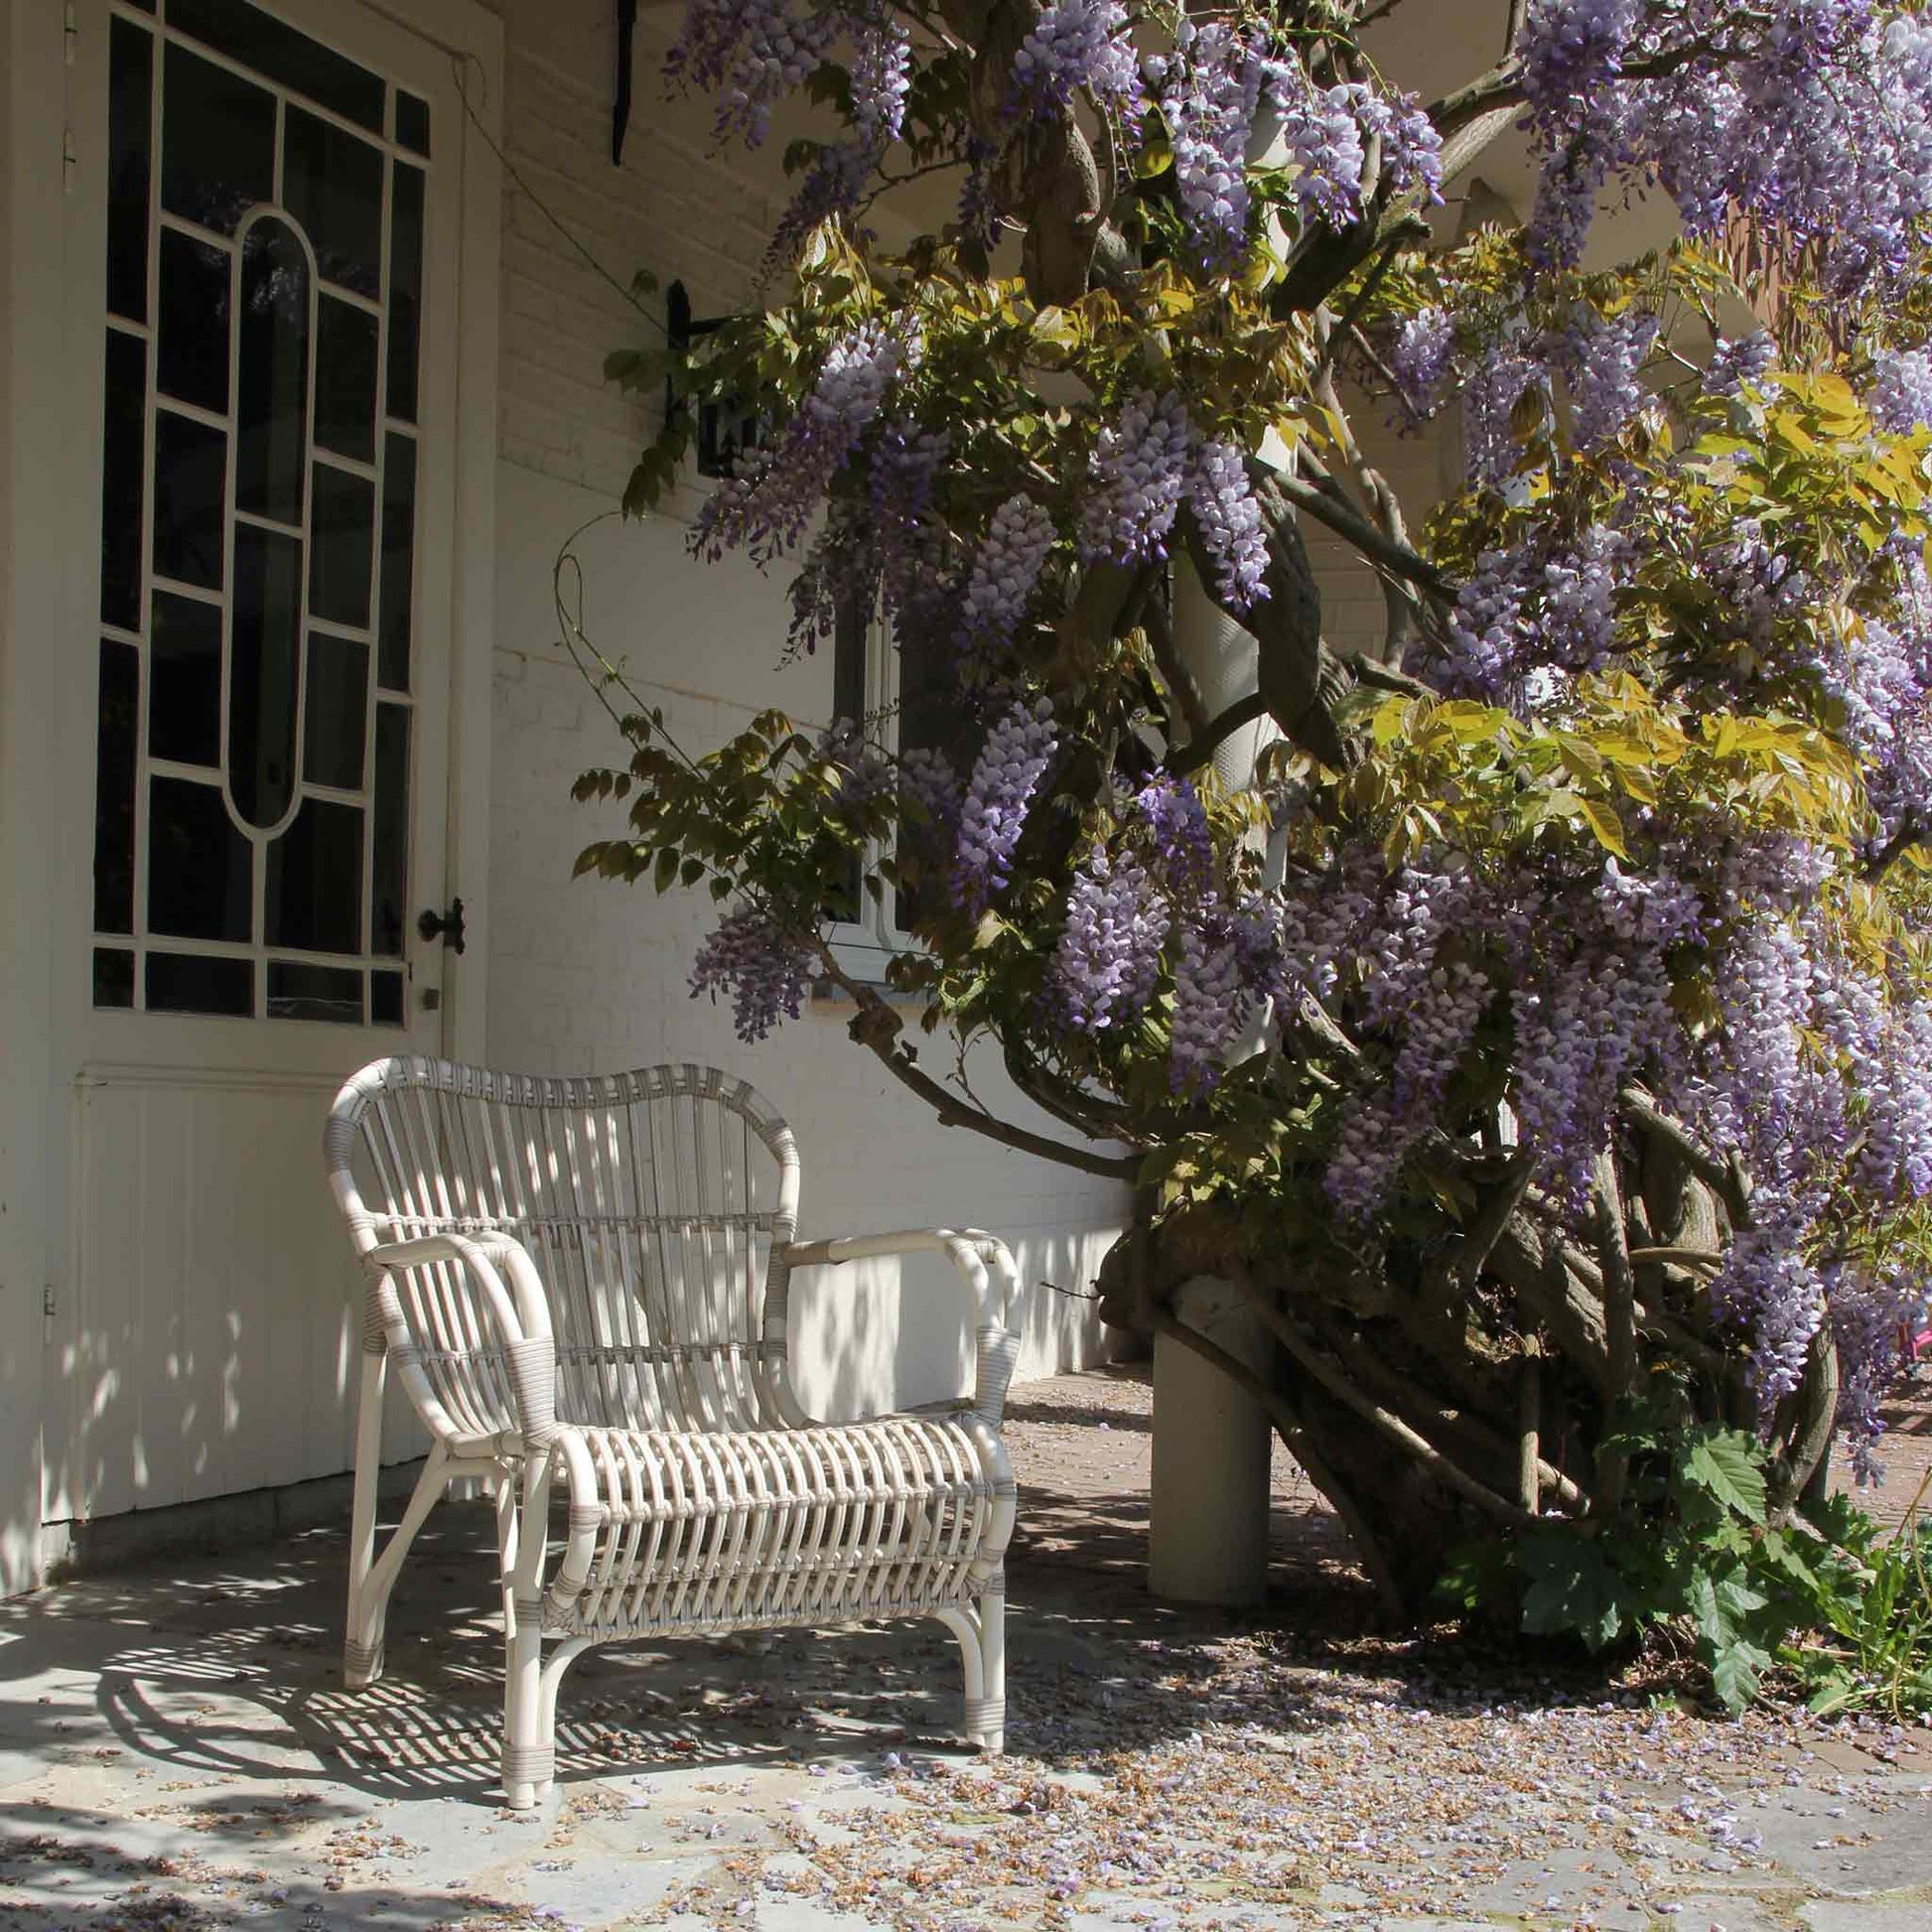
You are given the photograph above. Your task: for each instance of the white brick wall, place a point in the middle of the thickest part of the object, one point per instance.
(589, 975)
(1420, 470)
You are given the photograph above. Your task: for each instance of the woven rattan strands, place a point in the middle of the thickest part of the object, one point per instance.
(582, 1285)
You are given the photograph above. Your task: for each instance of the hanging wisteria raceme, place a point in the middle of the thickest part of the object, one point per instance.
(1210, 86)
(1418, 358)
(1005, 571)
(1871, 1312)
(1077, 46)
(1207, 1006)
(1011, 764)
(762, 962)
(1572, 56)
(1181, 847)
(1602, 361)
(1901, 390)
(1380, 1130)
(750, 54)
(1490, 401)
(1229, 518)
(1738, 360)
(767, 509)
(1137, 474)
(1108, 958)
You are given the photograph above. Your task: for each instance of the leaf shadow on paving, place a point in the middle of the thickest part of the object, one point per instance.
(177, 1751)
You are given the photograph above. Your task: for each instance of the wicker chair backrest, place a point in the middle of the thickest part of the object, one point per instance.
(656, 1205)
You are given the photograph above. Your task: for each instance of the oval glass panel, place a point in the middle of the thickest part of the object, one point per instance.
(272, 372)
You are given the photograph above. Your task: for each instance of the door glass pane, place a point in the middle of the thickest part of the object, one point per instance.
(124, 467)
(264, 673)
(398, 557)
(346, 349)
(192, 345)
(332, 183)
(114, 977)
(343, 534)
(412, 122)
(389, 893)
(181, 983)
(190, 516)
(385, 999)
(184, 680)
(117, 745)
(218, 142)
(405, 289)
(130, 94)
(201, 870)
(277, 51)
(272, 372)
(302, 992)
(334, 703)
(315, 880)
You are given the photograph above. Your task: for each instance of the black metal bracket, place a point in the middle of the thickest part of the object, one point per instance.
(447, 926)
(621, 107)
(726, 430)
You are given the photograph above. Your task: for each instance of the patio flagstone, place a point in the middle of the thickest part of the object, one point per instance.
(177, 1754)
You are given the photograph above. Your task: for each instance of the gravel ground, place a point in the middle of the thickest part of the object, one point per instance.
(177, 1754)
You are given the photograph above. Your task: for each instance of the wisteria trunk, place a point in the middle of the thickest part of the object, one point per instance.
(1465, 1381)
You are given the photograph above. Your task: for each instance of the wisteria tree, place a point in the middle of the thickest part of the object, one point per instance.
(1537, 1028)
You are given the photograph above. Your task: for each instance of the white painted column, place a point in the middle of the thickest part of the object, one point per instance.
(1208, 1518)
(1209, 1539)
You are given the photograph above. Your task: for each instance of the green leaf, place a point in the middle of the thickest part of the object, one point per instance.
(1735, 1673)
(1722, 1462)
(666, 868)
(1572, 1588)
(1607, 827)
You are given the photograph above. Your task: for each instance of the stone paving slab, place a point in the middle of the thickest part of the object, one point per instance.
(177, 1754)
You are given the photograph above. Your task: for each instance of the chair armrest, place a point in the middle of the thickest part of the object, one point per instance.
(518, 1311)
(985, 1264)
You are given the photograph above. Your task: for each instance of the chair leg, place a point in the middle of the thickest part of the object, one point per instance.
(529, 1748)
(362, 1663)
(986, 1715)
(981, 1634)
(370, 1600)
(506, 1488)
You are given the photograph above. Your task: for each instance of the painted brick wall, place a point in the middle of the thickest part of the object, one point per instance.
(589, 975)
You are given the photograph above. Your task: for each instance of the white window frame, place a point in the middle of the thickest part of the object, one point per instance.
(863, 945)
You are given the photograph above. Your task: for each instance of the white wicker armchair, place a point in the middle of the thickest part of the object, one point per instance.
(582, 1283)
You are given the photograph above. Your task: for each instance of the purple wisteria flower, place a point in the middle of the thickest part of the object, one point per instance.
(1181, 847)
(1005, 572)
(764, 965)
(1601, 360)
(1108, 957)
(1138, 469)
(1901, 390)
(1011, 764)
(1417, 356)
(767, 509)
(750, 54)
(1229, 521)
(1740, 361)
(1075, 46)
(1211, 86)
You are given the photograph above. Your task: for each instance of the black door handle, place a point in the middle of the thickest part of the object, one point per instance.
(448, 926)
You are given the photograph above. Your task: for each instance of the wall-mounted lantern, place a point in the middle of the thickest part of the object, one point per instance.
(727, 431)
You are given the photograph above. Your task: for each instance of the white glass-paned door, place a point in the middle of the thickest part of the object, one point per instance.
(258, 682)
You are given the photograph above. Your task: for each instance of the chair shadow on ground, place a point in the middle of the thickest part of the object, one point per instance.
(203, 1669)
